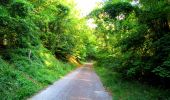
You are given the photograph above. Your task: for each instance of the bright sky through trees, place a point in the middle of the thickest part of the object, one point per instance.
(86, 6)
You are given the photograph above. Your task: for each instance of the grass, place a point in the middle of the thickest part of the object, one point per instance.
(129, 90)
(23, 76)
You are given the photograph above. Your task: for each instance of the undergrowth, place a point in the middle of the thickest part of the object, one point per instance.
(27, 72)
(129, 90)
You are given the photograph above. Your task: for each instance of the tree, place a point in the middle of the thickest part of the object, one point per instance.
(138, 39)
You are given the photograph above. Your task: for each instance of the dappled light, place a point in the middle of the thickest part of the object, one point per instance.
(48, 63)
(126, 42)
(91, 23)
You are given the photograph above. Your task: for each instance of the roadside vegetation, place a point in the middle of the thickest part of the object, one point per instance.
(22, 77)
(123, 89)
(37, 44)
(133, 48)
(42, 40)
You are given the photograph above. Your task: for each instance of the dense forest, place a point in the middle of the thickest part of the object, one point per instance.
(42, 40)
(135, 38)
(33, 33)
(134, 42)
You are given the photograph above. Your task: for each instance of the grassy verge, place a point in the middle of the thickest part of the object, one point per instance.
(21, 75)
(129, 90)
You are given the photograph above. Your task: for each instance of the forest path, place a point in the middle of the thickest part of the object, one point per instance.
(81, 84)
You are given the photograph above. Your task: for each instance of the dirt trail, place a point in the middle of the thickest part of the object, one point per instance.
(81, 84)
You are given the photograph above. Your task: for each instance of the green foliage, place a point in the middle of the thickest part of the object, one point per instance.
(131, 39)
(62, 10)
(135, 39)
(115, 10)
(17, 32)
(129, 90)
(5, 2)
(32, 35)
(54, 24)
(13, 84)
(25, 76)
(19, 9)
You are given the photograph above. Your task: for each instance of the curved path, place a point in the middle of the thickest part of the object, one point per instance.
(81, 84)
